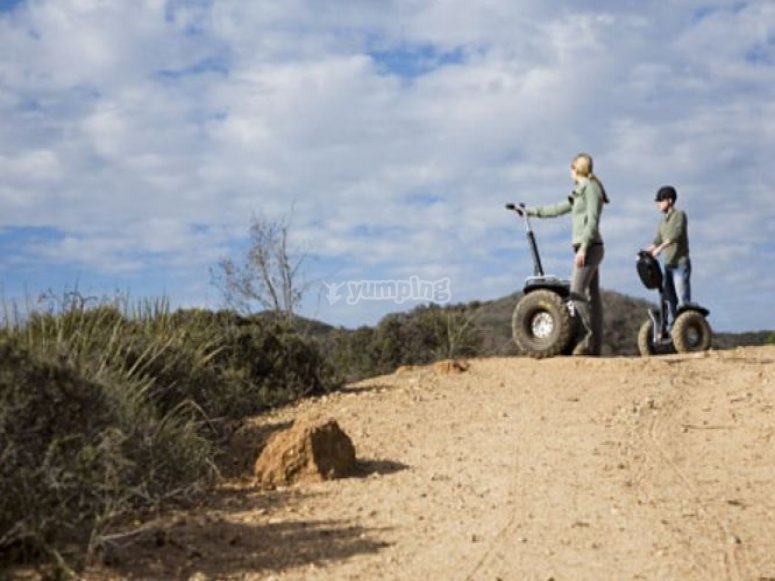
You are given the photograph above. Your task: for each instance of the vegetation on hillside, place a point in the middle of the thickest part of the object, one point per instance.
(105, 414)
(426, 334)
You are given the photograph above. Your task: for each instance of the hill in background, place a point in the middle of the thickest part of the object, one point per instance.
(623, 316)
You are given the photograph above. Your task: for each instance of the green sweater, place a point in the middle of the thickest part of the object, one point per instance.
(586, 203)
(674, 227)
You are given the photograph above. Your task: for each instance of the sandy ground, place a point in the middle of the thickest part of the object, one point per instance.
(569, 468)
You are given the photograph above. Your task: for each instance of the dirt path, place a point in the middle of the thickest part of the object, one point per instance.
(570, 468)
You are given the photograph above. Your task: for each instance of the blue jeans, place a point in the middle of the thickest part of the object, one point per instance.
(678, 289)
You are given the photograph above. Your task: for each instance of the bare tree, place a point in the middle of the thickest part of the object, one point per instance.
(267, 277)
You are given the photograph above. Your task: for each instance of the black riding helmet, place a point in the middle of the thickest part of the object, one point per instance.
(666, 193)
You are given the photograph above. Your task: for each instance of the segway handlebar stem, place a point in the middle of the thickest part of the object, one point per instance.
(521, 211)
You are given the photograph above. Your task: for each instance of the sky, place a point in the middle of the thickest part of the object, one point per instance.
(139, 140)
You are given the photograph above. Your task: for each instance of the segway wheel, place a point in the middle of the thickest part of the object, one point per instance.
(691, 332)
(646, 344)
(541, 324)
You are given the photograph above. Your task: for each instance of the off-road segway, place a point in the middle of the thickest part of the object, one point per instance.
(544, 323)
(691, 331)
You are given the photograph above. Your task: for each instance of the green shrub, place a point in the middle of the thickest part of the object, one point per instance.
(423, 335)
(228, 365)
(256, 364)
(76, 453)
(103, 413)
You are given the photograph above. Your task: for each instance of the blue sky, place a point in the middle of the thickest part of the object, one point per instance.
(139, 138)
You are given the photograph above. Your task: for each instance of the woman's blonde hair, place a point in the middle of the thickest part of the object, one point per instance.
(583, 165)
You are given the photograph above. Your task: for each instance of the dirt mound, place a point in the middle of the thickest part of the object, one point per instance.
(451, 367)
(566, 468)
(311, 450)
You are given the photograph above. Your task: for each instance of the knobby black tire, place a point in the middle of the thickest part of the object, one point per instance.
(691, 332)
(646, 344)
(550, 307)
(645, 339)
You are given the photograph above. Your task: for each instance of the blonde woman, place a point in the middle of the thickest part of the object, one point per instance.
(586, 205)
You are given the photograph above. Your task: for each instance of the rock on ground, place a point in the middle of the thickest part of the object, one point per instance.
(308, 451)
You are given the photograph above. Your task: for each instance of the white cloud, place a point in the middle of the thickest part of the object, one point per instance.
(148, 133)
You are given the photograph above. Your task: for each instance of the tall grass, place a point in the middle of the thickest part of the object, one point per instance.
(108, 408)
(82, 439)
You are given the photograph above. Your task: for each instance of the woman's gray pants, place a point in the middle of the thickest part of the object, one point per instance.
(585, 294)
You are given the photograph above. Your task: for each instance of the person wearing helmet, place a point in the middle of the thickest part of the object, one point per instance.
(585, 203)
(672, 242)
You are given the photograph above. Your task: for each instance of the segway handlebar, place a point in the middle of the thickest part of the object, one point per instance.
(518, 208)
(521, 211)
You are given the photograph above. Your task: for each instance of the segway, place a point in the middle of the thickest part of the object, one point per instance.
(691, 331)
(544, 322)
